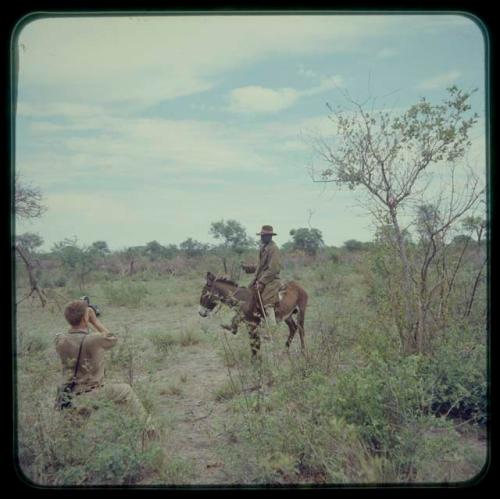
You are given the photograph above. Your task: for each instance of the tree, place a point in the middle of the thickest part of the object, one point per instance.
(232, 235)
(28, 205)
(388, 157)
(130, 255)
(288, 246)
(154, 250)
(234, 239)
(75, 259)
(100, 248)
(428, 219)
(307, 240)
(171, 251)
(476, 225)
(385, 234)
(32, 279)
(353, 245)
(193, 248)
(461, 240)
(30, 241)
(28, 200)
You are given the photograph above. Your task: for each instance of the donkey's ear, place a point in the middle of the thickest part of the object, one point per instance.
(210, 277)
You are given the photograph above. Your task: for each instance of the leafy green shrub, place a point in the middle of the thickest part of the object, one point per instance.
(125, 294)
(106, 449)
(381, 397)
(426, 450)
(457, 374)
(49, 281)
(60, 281)
(285, 437)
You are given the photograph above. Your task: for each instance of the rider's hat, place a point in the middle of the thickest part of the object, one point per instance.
(266, 229)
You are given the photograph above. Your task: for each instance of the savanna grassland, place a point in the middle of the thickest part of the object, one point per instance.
(353, 410)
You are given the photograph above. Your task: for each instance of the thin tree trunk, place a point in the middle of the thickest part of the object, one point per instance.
(413, 332)
(33, 282)
(474, 289)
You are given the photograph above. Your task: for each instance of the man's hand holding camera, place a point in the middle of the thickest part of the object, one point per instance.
(95, 322)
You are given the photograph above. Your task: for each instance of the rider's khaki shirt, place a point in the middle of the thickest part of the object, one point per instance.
(268, 271)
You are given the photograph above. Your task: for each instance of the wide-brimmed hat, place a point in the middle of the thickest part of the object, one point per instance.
(266, 229)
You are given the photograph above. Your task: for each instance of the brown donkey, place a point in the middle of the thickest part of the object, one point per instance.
(292, 302)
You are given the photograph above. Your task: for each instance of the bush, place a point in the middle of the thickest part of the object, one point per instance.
(382, 397)
(285, 436)
(427, 450)
(106, 449)
(60, 282)
(457, 374)
(125, 294)
(353, 245)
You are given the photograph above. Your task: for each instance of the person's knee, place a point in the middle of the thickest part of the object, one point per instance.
(119, 392)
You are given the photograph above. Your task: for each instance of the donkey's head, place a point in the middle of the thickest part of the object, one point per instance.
(210, 297)
(216, 290)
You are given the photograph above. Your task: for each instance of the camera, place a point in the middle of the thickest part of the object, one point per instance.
(95, 308)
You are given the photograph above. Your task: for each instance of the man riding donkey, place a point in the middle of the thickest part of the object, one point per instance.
(266, 280)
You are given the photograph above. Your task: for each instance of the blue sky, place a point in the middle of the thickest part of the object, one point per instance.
(151, 128)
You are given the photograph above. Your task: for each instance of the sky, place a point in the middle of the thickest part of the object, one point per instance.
(139, 128)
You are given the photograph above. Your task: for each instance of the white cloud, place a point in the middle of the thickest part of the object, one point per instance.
(255, 99)
(440, 81)
(112, 59)
(326, 83)
(83, 82)
(308, 73)
(138, 150)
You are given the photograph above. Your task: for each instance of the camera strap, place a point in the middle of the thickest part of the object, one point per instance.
(77, 365)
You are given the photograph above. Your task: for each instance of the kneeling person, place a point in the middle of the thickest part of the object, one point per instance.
(83, 352)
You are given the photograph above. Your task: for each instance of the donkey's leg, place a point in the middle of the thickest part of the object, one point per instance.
(253, 332)
(235, 321)
(300, 320)
(292, 327)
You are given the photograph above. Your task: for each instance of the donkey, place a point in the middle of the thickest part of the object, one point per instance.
(292, 301)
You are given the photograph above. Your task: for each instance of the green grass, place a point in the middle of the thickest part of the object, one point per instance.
(227, 391)
(353, 411)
